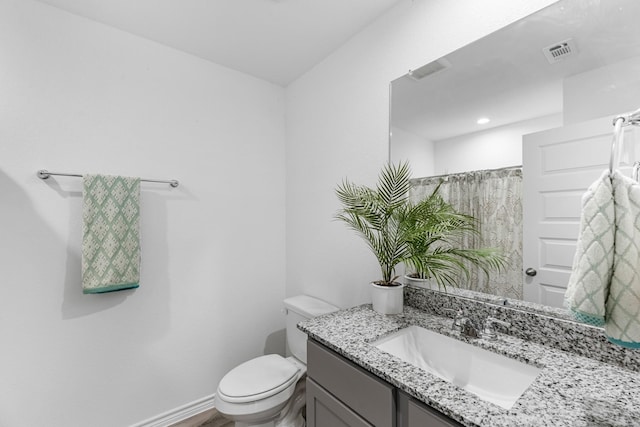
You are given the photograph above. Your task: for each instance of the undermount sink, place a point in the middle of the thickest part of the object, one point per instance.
(492, 377)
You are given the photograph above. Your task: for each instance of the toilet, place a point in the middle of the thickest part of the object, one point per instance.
(269, 391)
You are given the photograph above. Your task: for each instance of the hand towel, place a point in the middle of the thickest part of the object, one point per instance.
(623, 304)
(110, 235)
(588, 285)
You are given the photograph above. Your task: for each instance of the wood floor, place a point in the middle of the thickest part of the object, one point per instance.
(210, 418)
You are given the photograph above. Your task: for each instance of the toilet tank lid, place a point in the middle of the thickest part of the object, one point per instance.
(309, 307)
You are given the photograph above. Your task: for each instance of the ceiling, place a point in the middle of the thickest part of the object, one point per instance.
(505, 75)
(275, 40)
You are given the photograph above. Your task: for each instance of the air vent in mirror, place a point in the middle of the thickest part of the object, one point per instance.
(430, 69)
(559, 51)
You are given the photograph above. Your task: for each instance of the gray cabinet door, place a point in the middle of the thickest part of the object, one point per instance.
(412, 413)
(324, 410)
(367, 395)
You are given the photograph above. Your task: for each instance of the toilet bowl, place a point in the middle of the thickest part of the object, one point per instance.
(256, 392)
(269, 391)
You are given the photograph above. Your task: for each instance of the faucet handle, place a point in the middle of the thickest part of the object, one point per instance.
(489, 330)
(457, 317)
(468, 329)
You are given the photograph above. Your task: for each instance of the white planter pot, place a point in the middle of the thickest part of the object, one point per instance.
(387, 299)
(422, 283)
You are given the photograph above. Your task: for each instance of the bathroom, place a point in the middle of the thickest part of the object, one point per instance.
(257, 163)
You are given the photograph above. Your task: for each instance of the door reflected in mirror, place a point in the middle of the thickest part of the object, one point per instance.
(547, 77)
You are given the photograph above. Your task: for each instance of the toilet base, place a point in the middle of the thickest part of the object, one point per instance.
(291, 415)
(269, 424)
(299, 422)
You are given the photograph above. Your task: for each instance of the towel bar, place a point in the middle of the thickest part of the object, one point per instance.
(619, 122)
(44, 174)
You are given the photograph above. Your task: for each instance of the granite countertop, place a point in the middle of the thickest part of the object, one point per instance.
(571, 390)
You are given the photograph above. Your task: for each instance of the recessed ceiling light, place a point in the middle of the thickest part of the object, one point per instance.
(483, 121)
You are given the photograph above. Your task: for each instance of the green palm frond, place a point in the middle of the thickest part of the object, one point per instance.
(393, 185)
(434, 237)
(373, 214)
(425, 235)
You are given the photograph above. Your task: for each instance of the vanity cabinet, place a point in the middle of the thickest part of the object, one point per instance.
(342, 394)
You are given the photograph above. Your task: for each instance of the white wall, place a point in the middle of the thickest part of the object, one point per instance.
(338, 126)
(79, 97)
(613, 89)
(494, 148)
(412, 148)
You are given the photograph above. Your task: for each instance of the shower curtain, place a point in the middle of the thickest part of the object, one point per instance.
(494, 198)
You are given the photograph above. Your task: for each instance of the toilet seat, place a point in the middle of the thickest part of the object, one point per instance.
(258, 379)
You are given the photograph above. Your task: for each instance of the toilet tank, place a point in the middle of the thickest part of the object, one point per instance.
(299, 308)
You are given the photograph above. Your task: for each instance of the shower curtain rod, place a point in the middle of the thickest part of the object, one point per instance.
(44, 174)
(447, 175)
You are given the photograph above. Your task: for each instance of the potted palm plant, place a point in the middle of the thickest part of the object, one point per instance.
(434, 233)
(377, 215)
(398, 231)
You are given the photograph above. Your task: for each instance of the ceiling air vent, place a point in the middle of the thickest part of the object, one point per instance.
(559, 51)
(430, 69)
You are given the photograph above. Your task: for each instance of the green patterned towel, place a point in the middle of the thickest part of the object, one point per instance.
(604, 287)
(623, 304)
(110, 233)
(588, 286)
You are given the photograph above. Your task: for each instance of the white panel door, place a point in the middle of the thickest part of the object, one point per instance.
(558, 165)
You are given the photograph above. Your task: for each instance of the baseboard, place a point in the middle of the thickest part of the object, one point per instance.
(179, 414)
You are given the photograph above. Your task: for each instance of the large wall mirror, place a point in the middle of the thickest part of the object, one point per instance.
(552, 81)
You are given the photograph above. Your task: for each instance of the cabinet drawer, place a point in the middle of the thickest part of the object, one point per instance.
(412, 413)
(324, 410)
(365, 394)
(420, 416)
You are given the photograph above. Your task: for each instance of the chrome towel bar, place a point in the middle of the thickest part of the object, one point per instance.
(44, 174)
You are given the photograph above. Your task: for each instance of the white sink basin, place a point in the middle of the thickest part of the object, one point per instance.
(492, 377)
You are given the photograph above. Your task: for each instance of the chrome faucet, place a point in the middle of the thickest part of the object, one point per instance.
(467, 327)
(457, 315)
(464, 325)
(490, 322)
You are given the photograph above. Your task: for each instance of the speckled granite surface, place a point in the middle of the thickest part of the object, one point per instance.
(571, 390)
(530, 322)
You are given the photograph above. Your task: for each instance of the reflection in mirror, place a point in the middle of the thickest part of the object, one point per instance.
(549, 83)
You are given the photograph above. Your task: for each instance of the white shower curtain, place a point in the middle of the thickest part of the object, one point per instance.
(494, 198)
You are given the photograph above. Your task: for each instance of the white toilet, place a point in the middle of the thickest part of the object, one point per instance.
(269, 390)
